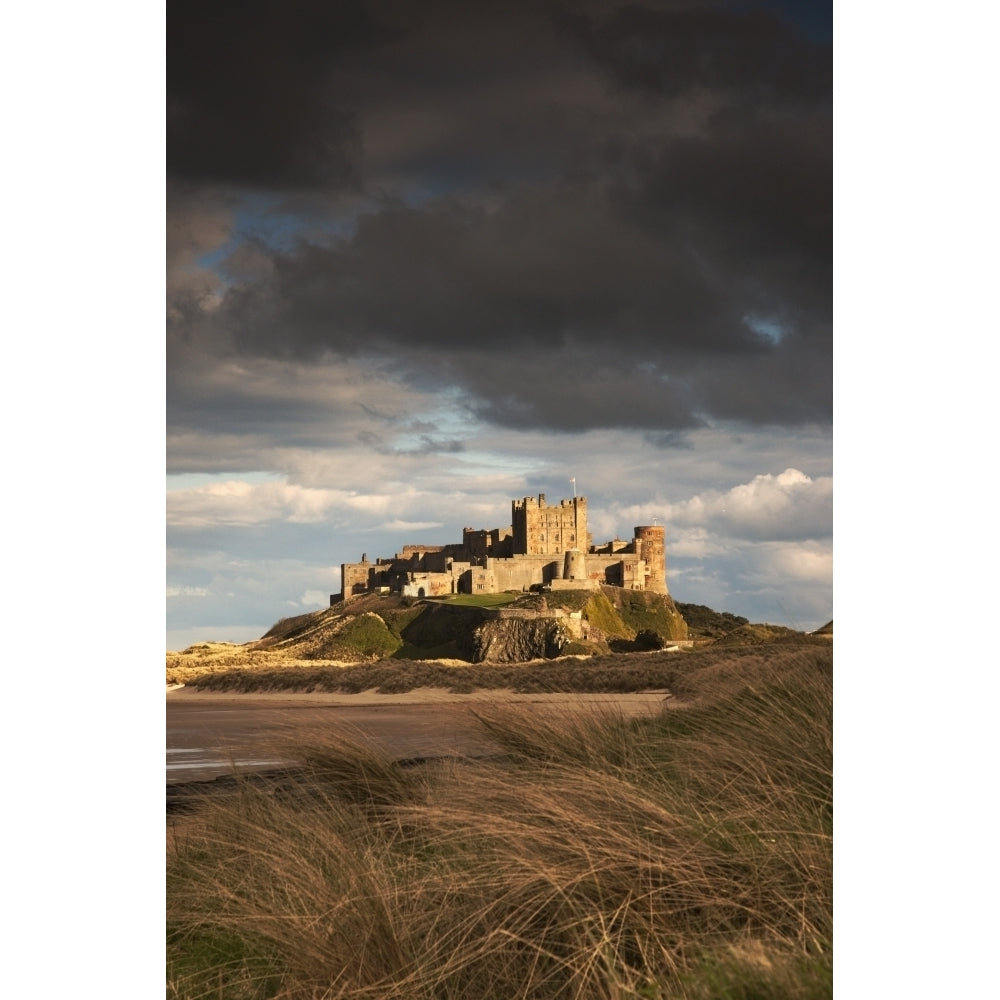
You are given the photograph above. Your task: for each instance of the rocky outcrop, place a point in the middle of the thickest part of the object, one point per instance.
(508, 639)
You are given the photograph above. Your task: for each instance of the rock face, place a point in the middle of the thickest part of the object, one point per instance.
(514, 640)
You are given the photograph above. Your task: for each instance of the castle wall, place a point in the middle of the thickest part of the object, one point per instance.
(651, 546)
(575, 585)
(429, 585)
(354, 578)
(544, 546)
(624, 570)
(418, 551)
(476, 543)
(539, 529)
(498, 542)
(616, 545)
(439, 562)
(519, 572)
(574, 566)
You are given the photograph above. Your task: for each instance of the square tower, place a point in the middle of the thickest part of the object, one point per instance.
(543, 530)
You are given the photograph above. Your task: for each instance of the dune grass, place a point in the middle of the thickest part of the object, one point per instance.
(686, 855)
(594, 673)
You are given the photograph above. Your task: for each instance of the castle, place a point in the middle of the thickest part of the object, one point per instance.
(544, 547)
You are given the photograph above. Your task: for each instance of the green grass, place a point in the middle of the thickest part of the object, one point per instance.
(703, 622)
(370, 637)
(601, 614)
(479, 600)
(688, 855)
(642, 612)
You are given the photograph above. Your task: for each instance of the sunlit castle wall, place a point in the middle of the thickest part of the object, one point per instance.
(575, 565)
(650, 545)
(354, 578)
(519, 572)
(577, 573)
(539, 529)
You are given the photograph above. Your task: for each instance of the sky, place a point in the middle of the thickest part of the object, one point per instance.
(296, 442)
(427, 258)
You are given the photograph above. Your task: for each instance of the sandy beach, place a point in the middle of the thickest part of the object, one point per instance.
(210, 733)
(418, 696)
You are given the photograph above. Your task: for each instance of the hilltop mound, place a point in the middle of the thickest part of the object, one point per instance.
(367, 628)
(502, 628)
(494, 628)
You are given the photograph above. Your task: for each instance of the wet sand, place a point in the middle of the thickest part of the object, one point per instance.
(209, 733)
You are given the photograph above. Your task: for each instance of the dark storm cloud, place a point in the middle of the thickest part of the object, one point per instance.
(556, 264)
(755, 194)
(556, 298)
(592, 215)
(757, 55)
(249, 94)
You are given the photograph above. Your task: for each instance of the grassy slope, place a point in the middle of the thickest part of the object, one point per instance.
(756, 635)
(705, 623)
(640, 612)
(685, 856)
(378, 627)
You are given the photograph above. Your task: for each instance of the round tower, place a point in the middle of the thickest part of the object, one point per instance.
(575, 566)
(651, 548)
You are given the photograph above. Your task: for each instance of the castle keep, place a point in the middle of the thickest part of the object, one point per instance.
(543, 547)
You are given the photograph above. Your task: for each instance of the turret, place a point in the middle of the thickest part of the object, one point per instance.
(651, 548)
(574, 565)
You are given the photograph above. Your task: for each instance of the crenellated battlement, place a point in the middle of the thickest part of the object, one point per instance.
(528, 503)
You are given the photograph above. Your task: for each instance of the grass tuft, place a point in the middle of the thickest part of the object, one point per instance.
(687, 855)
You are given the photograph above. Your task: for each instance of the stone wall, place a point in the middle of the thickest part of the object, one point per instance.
(529, 554)
(354, 578)
(650, 544)
(543, 530)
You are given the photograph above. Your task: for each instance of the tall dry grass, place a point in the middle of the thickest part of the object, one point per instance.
(688, 855)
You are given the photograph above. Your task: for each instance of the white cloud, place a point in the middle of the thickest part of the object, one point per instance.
(808, 561)
(398, 525)
(694, 543)
(187, 592)
(788, 505)
(318, 598)
(239, 503)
